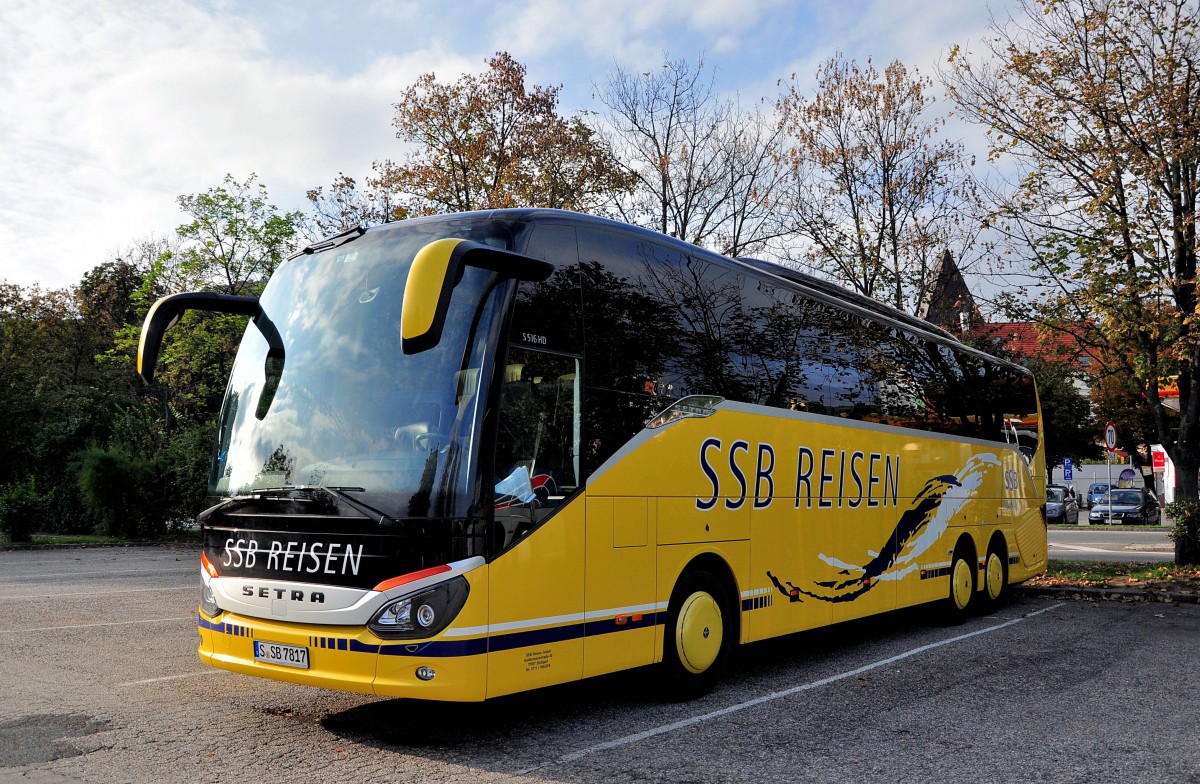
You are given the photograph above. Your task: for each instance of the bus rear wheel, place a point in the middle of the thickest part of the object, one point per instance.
(962, 586)
(699, 635)
(995, 580)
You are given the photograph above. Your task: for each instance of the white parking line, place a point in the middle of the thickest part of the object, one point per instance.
(691, 722)
(96, 593)
(104, 572)
(94, 625)
(1080, 548)
(168, 678)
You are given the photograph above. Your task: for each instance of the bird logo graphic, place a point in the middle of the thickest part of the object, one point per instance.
(918, 529)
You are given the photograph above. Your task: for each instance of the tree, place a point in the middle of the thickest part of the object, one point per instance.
(1068, 426)
(488, 141)
(231, 245)
(699, 167)
(1095, 105)
(235, 239)
(344, 206)
(875, 192)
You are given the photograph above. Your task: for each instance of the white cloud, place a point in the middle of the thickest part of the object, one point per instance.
(112, 109)
(633, 32)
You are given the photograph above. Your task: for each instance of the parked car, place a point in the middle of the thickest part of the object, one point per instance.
(1061, 506)
(1095, 493)
(1130, 506)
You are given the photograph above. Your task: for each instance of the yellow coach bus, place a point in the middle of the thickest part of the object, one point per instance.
(469, 455)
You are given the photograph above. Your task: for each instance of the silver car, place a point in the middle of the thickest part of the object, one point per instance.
(1061, 506)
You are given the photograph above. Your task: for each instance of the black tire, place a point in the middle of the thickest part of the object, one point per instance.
(699, 635)
(995, 580)
(962, 587)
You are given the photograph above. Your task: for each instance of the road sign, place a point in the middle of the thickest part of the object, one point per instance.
(1110, 436)
(1068, 470)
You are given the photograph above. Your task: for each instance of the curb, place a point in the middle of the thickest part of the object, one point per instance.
(1113, 594)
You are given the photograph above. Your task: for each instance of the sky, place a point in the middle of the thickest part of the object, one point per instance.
(111, 109)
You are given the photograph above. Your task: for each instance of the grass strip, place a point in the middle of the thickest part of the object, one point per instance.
(1098, 574)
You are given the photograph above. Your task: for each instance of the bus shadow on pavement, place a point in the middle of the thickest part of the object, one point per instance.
(554, 720)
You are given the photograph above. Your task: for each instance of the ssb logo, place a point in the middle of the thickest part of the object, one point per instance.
(1011, 480)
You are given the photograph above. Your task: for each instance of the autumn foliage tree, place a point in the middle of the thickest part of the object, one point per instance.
(488, 141)
(876, 194)
(1095, 104)
(484, 141)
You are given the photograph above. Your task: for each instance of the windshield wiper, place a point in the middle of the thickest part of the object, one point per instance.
(286, 493)
(335, 241)
(341, 493)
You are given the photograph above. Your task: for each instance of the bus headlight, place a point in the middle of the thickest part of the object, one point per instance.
(208, 601)
(422, 614)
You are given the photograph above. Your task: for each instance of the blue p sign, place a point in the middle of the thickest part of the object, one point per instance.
(1068, 470)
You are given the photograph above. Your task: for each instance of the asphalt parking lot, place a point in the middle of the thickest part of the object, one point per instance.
(101, 684)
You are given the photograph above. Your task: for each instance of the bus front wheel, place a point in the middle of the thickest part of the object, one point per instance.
(699, 635)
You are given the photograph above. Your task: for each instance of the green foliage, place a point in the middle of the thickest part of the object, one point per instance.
(122, 492)
(1186, 531)
(77, 415)
(235, 239)
(1069, 428)
(21, 510)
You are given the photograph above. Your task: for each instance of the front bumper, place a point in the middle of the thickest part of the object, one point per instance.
(349, 658)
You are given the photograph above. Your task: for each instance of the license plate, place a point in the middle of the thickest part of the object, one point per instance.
(278, 653)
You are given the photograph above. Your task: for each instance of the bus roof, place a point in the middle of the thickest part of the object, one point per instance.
(810, 285)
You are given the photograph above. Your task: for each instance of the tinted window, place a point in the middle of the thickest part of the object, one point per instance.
(547, 314)
(660, 323)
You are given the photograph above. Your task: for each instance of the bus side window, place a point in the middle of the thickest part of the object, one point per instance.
(537, 440)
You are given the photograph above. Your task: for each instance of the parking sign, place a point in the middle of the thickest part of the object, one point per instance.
(1068, 470)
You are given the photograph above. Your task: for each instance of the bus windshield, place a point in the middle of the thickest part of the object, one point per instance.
(343, 407)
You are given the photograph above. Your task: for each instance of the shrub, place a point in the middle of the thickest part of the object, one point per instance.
(122, 491)
(21, 510)
(1186, 531)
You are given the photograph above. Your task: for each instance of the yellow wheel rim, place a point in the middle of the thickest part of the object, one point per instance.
(699, 632)
(960, 584)
(995, 576)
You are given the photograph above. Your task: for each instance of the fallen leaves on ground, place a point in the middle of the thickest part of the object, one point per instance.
(1145, 577)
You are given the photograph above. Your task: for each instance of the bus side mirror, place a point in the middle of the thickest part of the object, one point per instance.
(436, 270)
(165, 313)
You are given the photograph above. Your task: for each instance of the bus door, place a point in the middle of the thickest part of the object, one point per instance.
(536, 615)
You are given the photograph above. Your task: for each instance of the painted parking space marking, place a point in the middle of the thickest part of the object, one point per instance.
(778, 695)
(94, 625)
(196, 674)
(95, 593)
(103, 573)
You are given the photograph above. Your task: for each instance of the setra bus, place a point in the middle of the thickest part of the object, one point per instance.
(468, 455)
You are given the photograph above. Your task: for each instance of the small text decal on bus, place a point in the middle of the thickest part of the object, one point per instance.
(827, 477)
